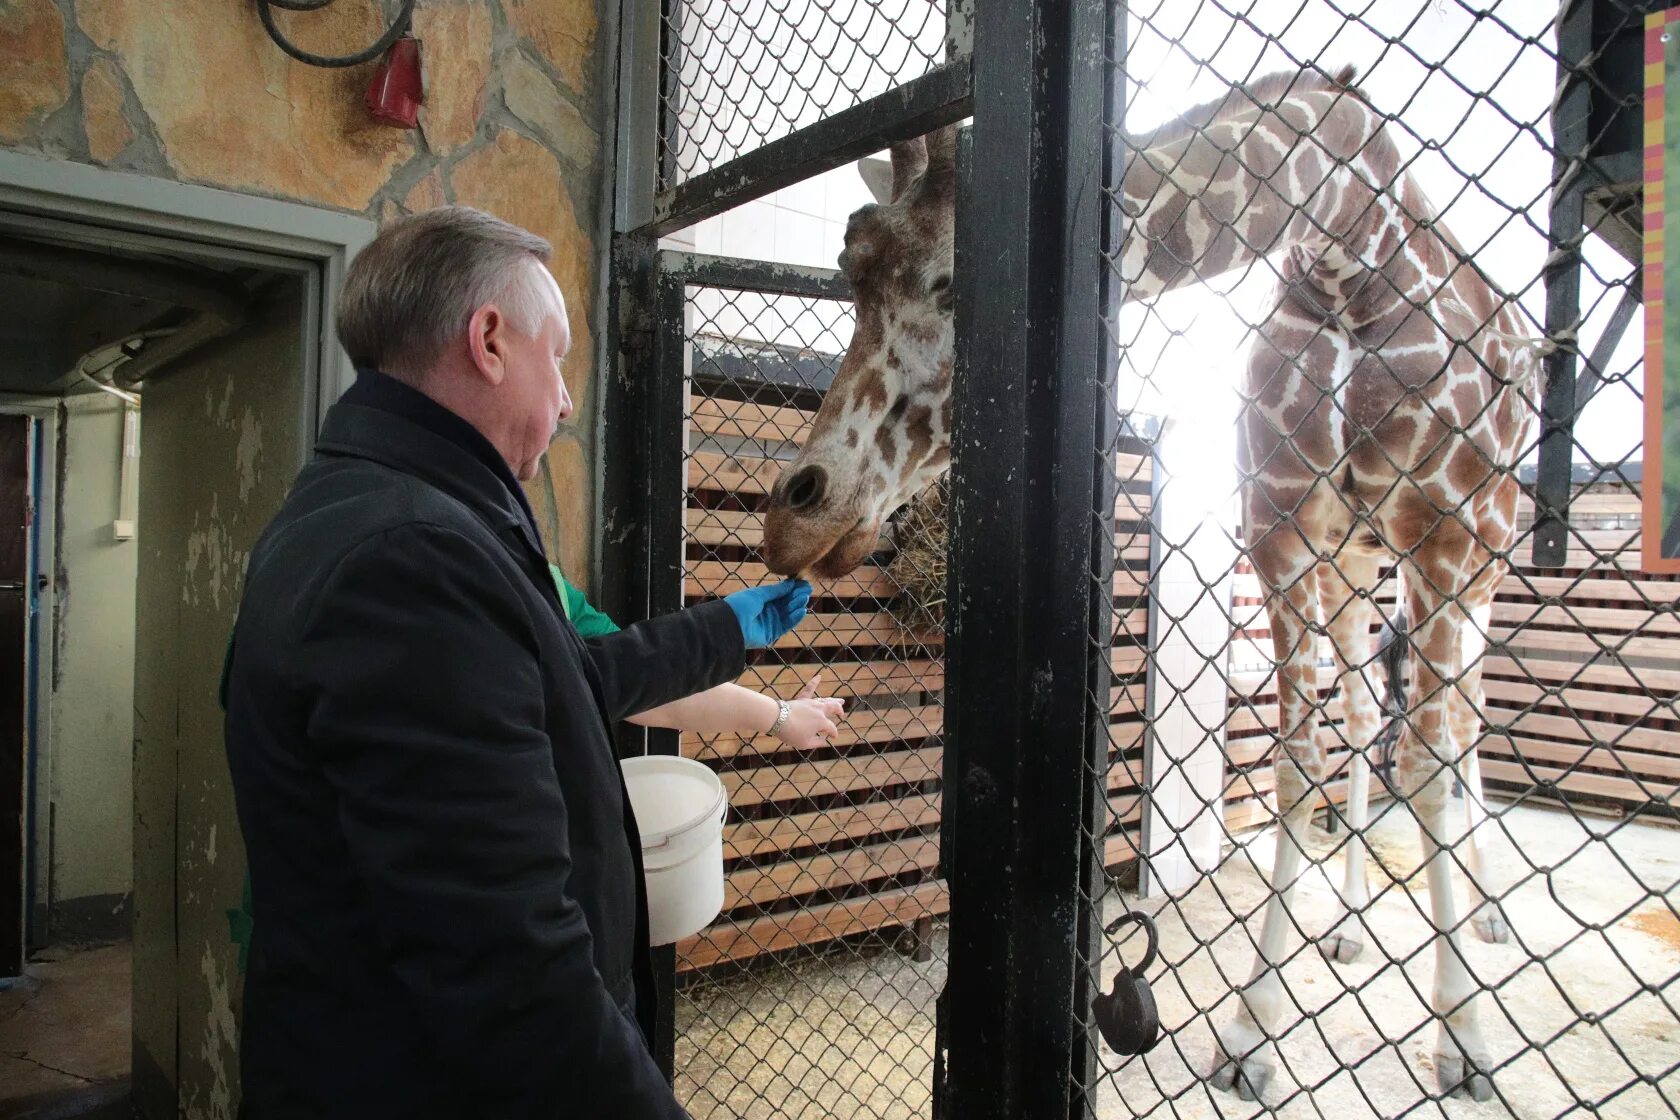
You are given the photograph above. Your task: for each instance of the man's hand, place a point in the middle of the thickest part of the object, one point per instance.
(766, 613)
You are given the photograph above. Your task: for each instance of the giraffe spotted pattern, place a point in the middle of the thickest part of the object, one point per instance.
(1387, 398)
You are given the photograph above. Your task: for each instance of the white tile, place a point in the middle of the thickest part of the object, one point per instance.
(801, 239)
(807, 197)
(749, 231)
(708, 236)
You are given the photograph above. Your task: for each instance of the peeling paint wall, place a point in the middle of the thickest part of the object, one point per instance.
(222, 442)
(92, 699)
(512, 123)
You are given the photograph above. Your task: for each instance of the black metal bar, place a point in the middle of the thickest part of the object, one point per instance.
(804, 376)
(642, 499)
(975, 958)
(1571, 179)
(939, 97)
(1028, 326)
(666, 481)
(756, 276)
(625, 430)
(667, 405)
(1103, 373)
(1605, 348)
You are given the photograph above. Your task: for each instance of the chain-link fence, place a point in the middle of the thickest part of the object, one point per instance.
(813, 993)
(741, 73)
(1339, 235)
(1372, 711)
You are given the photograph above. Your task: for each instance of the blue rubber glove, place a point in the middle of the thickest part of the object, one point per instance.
(766, 613)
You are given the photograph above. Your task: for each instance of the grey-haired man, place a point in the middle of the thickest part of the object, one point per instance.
(450, 918)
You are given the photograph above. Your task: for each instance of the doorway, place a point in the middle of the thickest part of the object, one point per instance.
(178, 357)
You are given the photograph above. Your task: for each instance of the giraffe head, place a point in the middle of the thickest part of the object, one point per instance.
(883, 431)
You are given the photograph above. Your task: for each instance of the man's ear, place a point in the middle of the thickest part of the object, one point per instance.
(486, 338)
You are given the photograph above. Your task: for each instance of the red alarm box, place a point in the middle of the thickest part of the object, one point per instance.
(397, 89)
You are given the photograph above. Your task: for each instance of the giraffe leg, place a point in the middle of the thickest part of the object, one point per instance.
(1426, 767)
(1468, 703)
(1348, 611)
(1247, 1055)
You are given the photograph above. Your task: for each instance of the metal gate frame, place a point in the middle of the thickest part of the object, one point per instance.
(1024, 735)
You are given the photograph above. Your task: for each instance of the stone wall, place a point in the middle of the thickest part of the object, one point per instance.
(194, 90)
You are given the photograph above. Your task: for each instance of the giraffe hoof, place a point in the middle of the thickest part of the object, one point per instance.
(1461, 1076)
(1490, 925)
(1341, 947)
(1246, 1077)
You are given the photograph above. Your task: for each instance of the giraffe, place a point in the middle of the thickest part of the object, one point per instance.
(1388, 396)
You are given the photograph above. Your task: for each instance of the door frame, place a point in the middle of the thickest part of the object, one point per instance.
(114, 209)
(109, 210)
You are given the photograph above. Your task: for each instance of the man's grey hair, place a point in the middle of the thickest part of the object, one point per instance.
(413, 289)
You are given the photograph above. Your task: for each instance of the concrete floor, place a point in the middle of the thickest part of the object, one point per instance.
(64, 1034)
(854, 1037)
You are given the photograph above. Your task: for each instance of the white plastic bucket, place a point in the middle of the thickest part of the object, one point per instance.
(679, 806)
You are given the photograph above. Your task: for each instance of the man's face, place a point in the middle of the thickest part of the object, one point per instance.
(535, 391)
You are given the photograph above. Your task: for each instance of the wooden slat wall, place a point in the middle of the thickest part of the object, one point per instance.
(844, 841)
(819, 845)
(1583, 681)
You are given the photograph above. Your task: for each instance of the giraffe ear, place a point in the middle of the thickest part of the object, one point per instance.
(941, 170)
(909, 160)
(877, 174)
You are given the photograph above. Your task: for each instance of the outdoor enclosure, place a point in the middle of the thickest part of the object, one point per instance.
(1292, 588)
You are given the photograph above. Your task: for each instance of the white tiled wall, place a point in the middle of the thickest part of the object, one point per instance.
(804, 224)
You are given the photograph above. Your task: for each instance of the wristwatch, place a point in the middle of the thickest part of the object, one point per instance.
(781, 717)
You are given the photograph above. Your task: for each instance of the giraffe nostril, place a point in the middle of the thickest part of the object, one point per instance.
(805, 488)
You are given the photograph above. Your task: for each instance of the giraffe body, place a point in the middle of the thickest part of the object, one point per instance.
(1387, 399)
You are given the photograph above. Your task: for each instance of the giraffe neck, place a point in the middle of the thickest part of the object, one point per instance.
(1310, 172)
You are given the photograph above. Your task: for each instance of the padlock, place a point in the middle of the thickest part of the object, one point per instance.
(1126, 1016)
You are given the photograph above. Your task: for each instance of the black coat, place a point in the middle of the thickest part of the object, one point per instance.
(450, 919)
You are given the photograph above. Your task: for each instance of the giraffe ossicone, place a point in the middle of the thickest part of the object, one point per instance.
(1388, 397)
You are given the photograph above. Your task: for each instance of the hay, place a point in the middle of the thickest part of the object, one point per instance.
(918, 567)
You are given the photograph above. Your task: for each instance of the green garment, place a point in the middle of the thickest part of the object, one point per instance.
(589, 622)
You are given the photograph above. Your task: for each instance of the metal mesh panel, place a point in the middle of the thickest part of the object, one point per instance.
(813, 994)
(1336, 305)
(741, 74)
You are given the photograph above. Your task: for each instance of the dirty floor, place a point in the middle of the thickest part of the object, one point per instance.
(64, 1032)
(853, 1037)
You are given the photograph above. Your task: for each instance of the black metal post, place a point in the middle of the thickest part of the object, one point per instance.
(1104, 373)
(667, 401)
(1571, 177)
(1030, 315)
(642, 500)
(628, 440)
